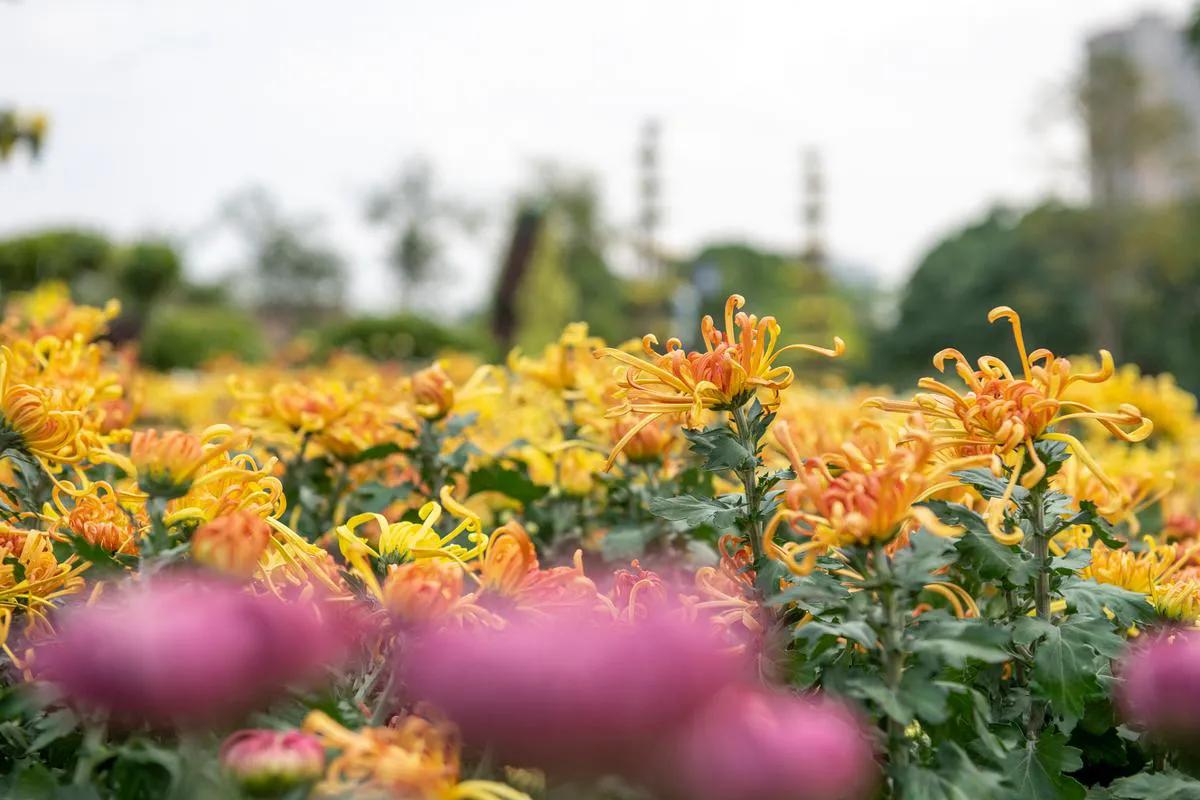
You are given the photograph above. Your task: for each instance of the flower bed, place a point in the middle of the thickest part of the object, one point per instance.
(594, 571)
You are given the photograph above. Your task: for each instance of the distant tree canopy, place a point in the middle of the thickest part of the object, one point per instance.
(567, 276)
(810, 303)
(292, 270)
(1081, 279)
(96, 267)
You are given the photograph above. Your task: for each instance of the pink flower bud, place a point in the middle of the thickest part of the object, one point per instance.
(186, 651)
(1160, 688)
(267, 763)
(569, 693)
(771, 746)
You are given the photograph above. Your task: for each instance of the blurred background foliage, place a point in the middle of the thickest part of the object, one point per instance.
(1119, 270)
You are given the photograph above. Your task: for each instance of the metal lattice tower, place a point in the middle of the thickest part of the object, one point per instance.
(649, 214)
(812, 207)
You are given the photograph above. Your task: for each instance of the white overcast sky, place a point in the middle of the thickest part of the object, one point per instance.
(926, 111)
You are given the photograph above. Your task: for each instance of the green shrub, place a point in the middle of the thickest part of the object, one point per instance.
(403, 336)
(64, 255)
(187, 336)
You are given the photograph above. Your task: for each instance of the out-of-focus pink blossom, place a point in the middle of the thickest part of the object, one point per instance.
(1160, 688)
(186, 651)
(266, 763)
(570, 694)
(752, 743)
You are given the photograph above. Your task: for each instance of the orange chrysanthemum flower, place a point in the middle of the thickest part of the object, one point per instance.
(737, 364)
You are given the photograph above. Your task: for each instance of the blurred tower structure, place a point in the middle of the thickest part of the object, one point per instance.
(1141, 102)
(812, 207)
(649, 214)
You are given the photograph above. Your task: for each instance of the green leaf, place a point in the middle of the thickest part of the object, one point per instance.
(1088, 596)
(1067, 663)
(375, 453)
(624, 542)
(1090, 516)
(514, 483)
(814, 593)
(953, 776)
(856, 630)
(869, 687)
(53, 727)
(1053, 454)
(990, 485)
(720, 449)
(1038, 769)
(694, 511)
(374, 497)
(913, 566)
(1071, 562)
(958, 641)
(1169, 785)
(979, 552)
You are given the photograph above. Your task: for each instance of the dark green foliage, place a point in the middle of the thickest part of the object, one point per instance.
(187, 336)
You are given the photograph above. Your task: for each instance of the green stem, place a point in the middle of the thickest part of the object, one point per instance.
(1039, 546)
(893, 656)
(749, 478)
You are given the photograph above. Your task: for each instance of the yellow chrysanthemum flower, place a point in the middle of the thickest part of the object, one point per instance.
(728, 373)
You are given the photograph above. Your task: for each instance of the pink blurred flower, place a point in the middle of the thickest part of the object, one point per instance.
(1160, 688)
(569, 693)
(266, 763)
(749, 742)
(186, 651)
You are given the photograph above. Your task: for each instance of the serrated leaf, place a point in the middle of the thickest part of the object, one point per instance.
(854, 630)
(958, 641)
(979, 552)
(720, 450)
(626, 541)
(989, 485)
(1088, 596)
(1038, 770)
(1072, 561)
(694, 511)
(914, 566)
(53, 727)
(1067, 662)
(1169, 785)
(953, 776)
(813, 593)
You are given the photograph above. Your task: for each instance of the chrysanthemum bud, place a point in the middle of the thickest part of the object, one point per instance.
(1160, 688)
(232, 544)
(771, 746)
(433, 392)
(422, 591)
(645, 446)
(569, 694)
(186, 652)
(267, 763)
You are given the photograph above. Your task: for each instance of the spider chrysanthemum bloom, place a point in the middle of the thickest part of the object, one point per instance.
(101, 519)
(40, 420)
(433, 392)
(1003, 413)
(858, 498)
(737, 364)
(563, 364)
(167, 463)
(412, 757)
(232, 544)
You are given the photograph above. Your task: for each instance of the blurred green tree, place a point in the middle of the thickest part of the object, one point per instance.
(420, 221)
(1043, 264)
(293, 272)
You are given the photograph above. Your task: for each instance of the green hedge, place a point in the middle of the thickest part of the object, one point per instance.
(186, 336)
(401, 337)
